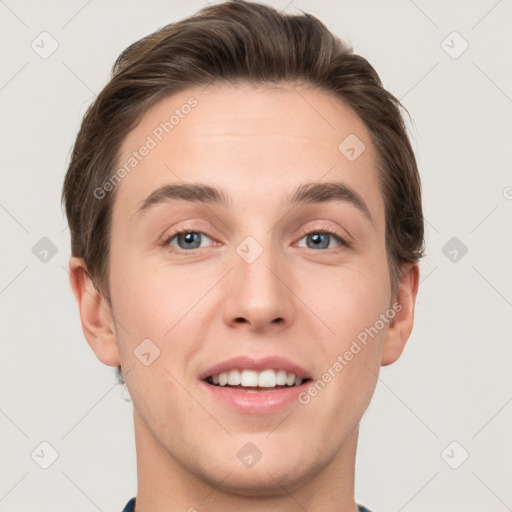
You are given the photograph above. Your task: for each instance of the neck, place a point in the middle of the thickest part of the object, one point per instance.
(164, 485)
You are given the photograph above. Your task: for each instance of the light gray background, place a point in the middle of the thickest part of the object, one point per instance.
(453, 381)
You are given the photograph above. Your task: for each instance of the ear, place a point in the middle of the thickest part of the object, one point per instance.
(400, 327)
(95, 314)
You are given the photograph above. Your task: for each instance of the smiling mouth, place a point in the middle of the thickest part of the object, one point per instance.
(251, 381)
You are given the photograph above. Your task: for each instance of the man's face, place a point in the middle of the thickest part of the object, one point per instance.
(259, 277)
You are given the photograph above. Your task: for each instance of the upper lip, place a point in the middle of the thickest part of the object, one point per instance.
(250, 363)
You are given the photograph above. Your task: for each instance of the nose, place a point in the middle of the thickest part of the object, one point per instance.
(259, 293)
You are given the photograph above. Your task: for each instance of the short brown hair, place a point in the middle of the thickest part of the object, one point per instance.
(227, 43)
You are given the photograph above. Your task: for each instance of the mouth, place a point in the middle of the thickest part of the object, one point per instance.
(255, 386)
(253, 381)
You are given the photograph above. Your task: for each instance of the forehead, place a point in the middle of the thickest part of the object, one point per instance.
(252, 141)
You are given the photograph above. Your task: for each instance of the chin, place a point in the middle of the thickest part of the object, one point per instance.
(276, 469)
(265, 480)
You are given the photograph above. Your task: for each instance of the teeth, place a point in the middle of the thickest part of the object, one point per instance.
(281, 378)
(251, 378)
(223, 378)
(267, 379)
(234, 378)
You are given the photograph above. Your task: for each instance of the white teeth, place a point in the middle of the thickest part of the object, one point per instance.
(281, 378)
(267, 379)
(223, 378)
(234, 378)
(251, 378)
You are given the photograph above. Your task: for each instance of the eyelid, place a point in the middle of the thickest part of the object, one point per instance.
(166, 239)
(329, 231)
(186, 226)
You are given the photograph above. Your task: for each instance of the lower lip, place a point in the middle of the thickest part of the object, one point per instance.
(261, 402)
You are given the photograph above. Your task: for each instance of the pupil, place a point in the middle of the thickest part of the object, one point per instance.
(316, 238)
(190, 238)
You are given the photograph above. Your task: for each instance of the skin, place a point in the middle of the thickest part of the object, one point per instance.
(208, 305)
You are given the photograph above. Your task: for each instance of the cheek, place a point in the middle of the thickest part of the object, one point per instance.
(353, 303)
(158, 302)
(352, 298)
(352, 306)
(138, 308)
(149, 308)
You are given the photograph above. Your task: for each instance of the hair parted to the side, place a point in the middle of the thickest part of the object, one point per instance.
(228, 43)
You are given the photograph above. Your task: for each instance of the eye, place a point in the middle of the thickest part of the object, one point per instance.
(186, 240)
(321, 240)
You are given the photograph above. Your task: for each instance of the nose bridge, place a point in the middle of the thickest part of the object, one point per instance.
(259, 295)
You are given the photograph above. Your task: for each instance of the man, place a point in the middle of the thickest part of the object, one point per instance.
(246, 222)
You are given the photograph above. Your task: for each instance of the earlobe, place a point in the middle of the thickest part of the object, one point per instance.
(95, 314)
(400, 328)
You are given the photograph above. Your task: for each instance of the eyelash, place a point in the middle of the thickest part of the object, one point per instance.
(325, 231)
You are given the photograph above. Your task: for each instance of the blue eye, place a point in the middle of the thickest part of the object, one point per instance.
(321, 239)
(187, 239)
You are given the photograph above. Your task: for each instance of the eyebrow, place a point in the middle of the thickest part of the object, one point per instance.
(305, 193)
